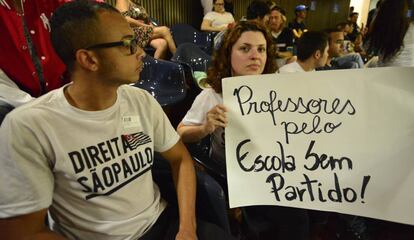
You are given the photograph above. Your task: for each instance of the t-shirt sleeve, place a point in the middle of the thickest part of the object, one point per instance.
(232, 17)
(198, 111)
(26, 178)
(209, 16)
(165, 136)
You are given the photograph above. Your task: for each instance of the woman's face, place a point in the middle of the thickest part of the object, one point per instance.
(219, 6)
(248, 54)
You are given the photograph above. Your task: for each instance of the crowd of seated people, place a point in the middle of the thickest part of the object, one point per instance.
(81, 80)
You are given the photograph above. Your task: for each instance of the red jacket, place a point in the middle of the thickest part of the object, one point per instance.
(15, 59)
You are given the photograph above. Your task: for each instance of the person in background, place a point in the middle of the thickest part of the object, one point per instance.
(337, 59)
(297, 25)
(372, 13)
(345, 27)
(359, 46)
(353, 18)
(391, 35)
(97, 185)
(217, 20)
(257, 10)
(282, 36)
(158, 37)
(207, 6)
(27, 56)
(312, 53)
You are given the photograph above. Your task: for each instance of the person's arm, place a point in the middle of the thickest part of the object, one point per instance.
(122, 5)
(137, 23)
(185, 182)
(206, 26)
(285, 54)
(215, 118)
(28, 227)
(296, 33)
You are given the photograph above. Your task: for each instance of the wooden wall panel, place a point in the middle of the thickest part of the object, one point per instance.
(169, 12)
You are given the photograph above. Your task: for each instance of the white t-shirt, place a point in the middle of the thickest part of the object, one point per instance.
(11, 93)
(219, 19)
(291, 68)
(405, 57)
(92, 169)
(203, 103)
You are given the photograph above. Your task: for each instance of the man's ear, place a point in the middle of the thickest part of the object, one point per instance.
(87, 59)
(317, 54)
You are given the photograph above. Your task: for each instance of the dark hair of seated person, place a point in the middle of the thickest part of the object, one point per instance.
(310, 42)
(257, 9)
(388, 29)
(221, 65)
(73, 29)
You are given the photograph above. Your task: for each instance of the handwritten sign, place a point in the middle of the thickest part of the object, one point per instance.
(339, 141)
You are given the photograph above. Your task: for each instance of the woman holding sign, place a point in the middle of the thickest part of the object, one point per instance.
(247, 49)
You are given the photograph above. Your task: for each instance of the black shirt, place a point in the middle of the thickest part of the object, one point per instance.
(297, 26)
(284, 40)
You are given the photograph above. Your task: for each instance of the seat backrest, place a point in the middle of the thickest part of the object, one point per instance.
(192, 54)
(165, 80)
(185, 33)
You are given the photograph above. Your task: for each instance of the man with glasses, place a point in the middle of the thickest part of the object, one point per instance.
(83, 153)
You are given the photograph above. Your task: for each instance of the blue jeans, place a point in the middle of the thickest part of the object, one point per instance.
(351, 60)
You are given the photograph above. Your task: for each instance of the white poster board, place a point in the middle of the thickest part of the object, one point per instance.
(339, 141)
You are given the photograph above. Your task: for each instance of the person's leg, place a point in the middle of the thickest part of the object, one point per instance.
(205, 230)
(160, 46)
(164, 32)
(211, 201)
(283, 222)
(351, 60)
(161, 226)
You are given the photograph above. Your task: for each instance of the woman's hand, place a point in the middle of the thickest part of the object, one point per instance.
(216, 117)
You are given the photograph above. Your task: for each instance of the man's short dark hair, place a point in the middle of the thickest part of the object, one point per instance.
(257, 9)
(74, 25)
(310, 42)
(332, 30)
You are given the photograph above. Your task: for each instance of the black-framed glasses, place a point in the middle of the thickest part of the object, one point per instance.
(219, 4)
(132, 43)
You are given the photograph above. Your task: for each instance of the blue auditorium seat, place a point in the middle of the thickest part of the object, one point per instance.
(165, 80)
(185, 33)
(192, 54)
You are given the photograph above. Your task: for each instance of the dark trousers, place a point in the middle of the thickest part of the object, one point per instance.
(274, 222)
(166, 228)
